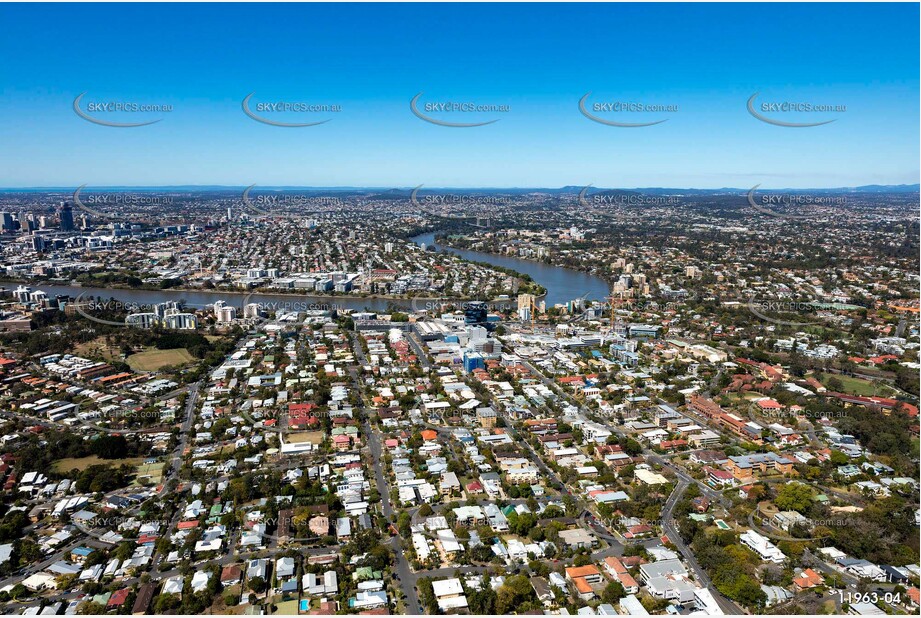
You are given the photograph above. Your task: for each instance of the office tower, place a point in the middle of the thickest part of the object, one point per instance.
(475, 313)
(6, 221)
(67, 217)
(472, 361)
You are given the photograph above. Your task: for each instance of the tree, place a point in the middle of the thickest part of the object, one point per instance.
(88, 608)
(257, 584)
(513, 593)
(110, 446)
(427, 594)
(613, 592)
(632, 447)
(166, 602)
(794, 497)
(482, 601)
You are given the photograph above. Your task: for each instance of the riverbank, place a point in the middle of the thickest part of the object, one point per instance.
(561, 284)
(139, 300)
(234, 292)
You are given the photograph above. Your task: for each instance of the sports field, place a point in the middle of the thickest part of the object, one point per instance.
(153, 359)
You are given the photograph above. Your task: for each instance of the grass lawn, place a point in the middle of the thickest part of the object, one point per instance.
(852, 385)
(286, 608)
(97, 348)
(153, 359)
(149, 474)
(82, 463)
(314, 437)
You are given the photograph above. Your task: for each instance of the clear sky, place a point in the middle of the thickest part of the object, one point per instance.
(539, 60)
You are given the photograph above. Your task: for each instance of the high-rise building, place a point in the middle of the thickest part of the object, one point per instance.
(180, 321)
(6, 221)
(224, 313)
(252, 310)
(67, 217)
(146, 320)
(526, 303)
(472, 361)
(475, 313)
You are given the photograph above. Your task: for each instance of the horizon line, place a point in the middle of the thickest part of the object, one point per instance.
(424, 188)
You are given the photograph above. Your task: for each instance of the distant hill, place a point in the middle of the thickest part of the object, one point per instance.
(402, 191)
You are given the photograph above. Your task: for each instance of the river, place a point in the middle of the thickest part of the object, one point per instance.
(562, 284)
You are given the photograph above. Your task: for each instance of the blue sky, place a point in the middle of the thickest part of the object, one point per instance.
(539, 60)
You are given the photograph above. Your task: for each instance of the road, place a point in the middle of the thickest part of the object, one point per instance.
(403, 571)
(670, 527)
(684, 481)
(419, 349)
(82, 539)
(184, 431)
